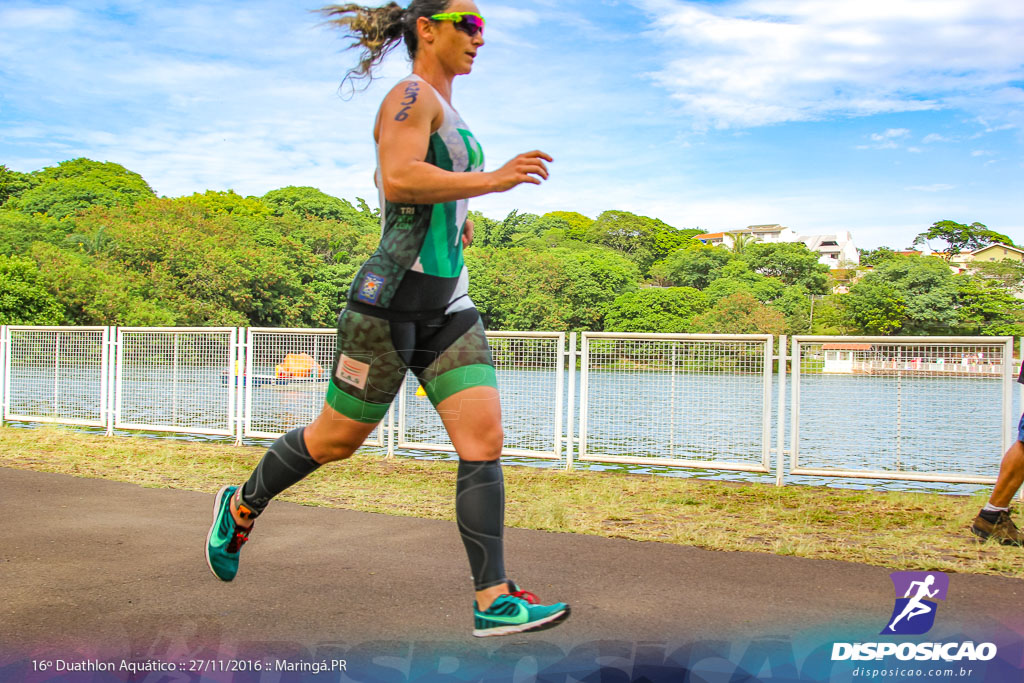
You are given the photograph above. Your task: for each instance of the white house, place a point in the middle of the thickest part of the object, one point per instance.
(835, 251)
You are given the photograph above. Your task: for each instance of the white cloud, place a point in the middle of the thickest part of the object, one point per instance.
(758, 62)
(935, 137)
(48, 19)
(937, 187)
(890, 134)
(888, 140)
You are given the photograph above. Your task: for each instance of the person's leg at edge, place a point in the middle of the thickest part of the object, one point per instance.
(994, 521)
(1011, 476)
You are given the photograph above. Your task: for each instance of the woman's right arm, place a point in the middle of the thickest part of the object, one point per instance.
(408, 116)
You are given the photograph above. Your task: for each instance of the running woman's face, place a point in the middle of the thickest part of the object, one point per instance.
(457, 43)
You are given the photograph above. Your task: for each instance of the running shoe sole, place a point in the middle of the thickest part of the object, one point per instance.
(547, 622)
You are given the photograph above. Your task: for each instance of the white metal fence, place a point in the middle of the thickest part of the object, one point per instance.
(912, 408)
(530, 377)
(285, 379)
(894, 408)
(56, 374)
(170, 379)
(677, 400)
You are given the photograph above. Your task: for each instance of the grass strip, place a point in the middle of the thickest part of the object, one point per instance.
(897, 530)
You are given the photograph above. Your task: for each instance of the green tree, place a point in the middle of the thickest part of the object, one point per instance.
(23, 299)
(13, 183)
(831, 316)
(311, 202)
(873, 257)
(959, 237)
(795, 304)
(71, 186)
(1006, 273)
(741, 241)
(696, 266)
(18, 231)
(791, 262)
(213, 202)
(740, 313)
(926, 287)
(557, 289)
(641, 239)
(876, 306)
(91, 294)
(736, 276)
(576, 223)
(984, 306)
(515, 226)
(655, 309)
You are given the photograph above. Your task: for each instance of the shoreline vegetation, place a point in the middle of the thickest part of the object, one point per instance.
(90, 243)
(896, 530)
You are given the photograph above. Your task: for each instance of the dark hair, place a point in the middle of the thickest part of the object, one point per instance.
(377, 30)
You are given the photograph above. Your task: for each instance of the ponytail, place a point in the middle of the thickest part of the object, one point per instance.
(378, 30)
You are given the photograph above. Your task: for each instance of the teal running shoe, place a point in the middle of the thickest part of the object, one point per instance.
(517, 612)
(225, 540)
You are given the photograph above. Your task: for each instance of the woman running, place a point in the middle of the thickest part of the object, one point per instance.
(408, 307)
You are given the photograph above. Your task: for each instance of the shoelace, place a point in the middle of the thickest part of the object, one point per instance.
(529, 597)
(238, 540)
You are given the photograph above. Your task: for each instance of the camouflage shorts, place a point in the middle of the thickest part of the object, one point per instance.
(447, 354)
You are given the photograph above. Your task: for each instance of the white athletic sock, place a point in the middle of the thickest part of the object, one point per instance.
(989, 507)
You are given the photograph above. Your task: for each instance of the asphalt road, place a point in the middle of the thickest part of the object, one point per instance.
(97, 569)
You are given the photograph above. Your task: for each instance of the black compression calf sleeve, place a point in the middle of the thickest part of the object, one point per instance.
(285, 463)
(480, 513)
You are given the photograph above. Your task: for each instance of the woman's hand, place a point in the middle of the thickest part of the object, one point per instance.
(528, 167)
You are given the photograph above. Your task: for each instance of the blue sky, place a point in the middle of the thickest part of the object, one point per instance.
(875, 116)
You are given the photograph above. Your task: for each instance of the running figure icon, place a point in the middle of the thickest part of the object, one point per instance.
(916, 607)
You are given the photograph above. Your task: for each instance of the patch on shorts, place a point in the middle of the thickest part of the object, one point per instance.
(352, 372)
(369, 291)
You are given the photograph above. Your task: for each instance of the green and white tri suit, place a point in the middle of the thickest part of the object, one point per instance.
(408, 306)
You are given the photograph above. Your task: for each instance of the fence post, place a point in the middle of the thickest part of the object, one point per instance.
(571, 412)
(391, 431)
(237, 386)
(794, 418)
(3, 373)
(780, 430)
(581, 443)
(766, 403)
(105, 361)
(113, 372)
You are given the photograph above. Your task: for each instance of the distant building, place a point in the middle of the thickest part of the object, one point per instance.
(997, 252)
(965, 260)
(715, 239)
(835, 251)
